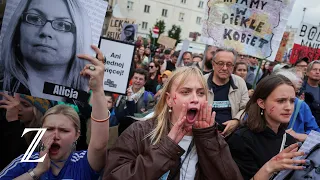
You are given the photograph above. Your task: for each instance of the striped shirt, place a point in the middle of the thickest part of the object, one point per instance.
(76, 167)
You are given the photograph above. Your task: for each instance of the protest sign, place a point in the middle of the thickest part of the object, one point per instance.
(115, 27)
(128, 32)
(306, 43)
(312, 140)
(252, 27)
(119, 58)
(166, 41)
(41, 60)
(283, 47)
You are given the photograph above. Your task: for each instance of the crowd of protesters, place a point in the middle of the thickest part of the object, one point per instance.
(216, 115)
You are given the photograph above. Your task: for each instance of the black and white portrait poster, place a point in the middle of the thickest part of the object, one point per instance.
(128, 32)
(40, 41)
(119, 57)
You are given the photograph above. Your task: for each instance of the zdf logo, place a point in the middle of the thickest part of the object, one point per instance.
(33, 145)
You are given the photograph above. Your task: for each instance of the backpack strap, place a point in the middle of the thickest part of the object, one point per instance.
(145, 98)
(295, 115)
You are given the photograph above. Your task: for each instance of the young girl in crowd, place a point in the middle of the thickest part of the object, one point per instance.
(137, 61)
(263, 135)
(241, 69)
(154, 73)
(163, 79)
(63, 130)
(22, 111)
(180, 141)
(304, 122)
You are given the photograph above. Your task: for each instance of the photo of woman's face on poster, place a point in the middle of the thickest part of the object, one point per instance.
(41, 44)
(47, 37)
(312, 168)
(128, 33)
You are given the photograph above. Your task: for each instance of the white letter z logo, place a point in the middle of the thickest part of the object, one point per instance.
(33, 145)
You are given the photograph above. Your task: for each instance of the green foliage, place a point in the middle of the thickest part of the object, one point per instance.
(162, 27)
(175, 33)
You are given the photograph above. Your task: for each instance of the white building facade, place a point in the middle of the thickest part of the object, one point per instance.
(188, 14)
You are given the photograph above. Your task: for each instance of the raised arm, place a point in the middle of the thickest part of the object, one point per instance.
(215, 159)
(100, 114)
(282, 161)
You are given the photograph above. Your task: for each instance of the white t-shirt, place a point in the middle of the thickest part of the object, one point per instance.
(188, 168)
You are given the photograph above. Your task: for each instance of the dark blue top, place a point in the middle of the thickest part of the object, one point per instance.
(221, 104)
(76, 167)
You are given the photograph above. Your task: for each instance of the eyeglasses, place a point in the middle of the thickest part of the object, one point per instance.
(222, 64)
(38, 20)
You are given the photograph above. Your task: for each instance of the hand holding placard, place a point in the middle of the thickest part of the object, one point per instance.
(119, 59)
(94, 70)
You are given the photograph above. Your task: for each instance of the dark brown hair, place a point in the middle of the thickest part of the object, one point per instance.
(255, 122)
(157, 65)
(239, 63)
(109, 94)
(142, 72)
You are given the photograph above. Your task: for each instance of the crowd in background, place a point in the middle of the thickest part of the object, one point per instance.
(272, 100)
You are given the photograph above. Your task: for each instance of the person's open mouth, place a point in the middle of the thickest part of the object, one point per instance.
(54, 149)
(191, 115)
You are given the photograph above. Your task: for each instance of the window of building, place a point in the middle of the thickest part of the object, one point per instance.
(164, 12)
(144, 25)
(183, 1)
(200, 4)
(147, 9)
(130, 5)
(181, 16)
(198, 20)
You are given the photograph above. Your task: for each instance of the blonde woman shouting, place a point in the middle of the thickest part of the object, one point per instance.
(180, 141)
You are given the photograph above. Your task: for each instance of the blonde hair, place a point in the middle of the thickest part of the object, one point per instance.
(161, 112)
(66, 111)
(34, 123)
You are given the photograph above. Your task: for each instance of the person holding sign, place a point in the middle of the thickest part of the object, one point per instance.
(263, 135)
(62, 125)
(180, 141)
(40, 45)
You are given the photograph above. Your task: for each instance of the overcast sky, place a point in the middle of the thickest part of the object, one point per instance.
(312, 13)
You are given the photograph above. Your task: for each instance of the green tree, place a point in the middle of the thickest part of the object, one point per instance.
(162, 27)
(175, 33)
